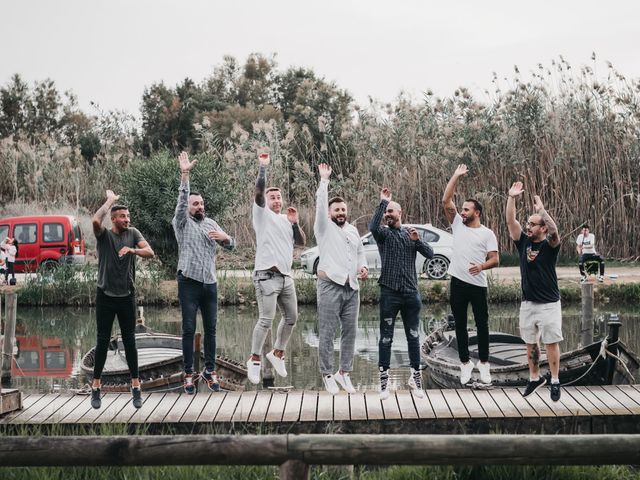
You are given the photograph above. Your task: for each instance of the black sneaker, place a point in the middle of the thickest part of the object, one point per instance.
(211, 380)
(136, 394)
(96, 402)
(189, 386)
(555, 392)
(533, 386)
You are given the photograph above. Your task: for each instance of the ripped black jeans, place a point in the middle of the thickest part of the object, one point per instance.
(409, 305)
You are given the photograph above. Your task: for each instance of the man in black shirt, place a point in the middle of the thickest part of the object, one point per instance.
(398, 287)
(540, 311)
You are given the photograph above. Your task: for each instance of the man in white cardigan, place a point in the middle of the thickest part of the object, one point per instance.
(342, 262)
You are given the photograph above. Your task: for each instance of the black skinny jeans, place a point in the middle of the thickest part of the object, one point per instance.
(10, 270)
(460, 295)
(106, 309)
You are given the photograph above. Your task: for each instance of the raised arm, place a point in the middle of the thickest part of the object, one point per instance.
(182, 207)
(261, 181)
(374, 225)
(102, 212)
(515, 230)
(322, 201)
(299, 238)
(422, 247)
(447, 198)
(552, 228)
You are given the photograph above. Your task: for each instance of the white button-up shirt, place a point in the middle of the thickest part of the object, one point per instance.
(341, 251)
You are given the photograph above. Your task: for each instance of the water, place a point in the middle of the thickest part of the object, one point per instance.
(52, 341)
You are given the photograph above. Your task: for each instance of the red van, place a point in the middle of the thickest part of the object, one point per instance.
(44, 240)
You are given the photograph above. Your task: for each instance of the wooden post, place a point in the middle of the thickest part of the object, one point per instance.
(9, 337)
(586, 319)
(294, 470)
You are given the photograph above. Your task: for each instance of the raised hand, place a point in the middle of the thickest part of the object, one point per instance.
(112, 197)
(516, 189)
(292, 215)
(413, 234)
(385, 194)
(325, 171)
(185, 164)
(537, 204)
(263, 159)
(461, 170)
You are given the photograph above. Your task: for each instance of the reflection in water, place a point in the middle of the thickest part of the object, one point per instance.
(53, 340)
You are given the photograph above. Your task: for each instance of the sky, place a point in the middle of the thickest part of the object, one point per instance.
(108, 52)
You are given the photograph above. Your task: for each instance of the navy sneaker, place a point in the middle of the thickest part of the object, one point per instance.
(136, 395)
(211, 380)
(555, 392)
(96, 402)
(189, 386)
(533, 386)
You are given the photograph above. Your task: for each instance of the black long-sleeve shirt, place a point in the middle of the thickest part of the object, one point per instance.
(397, 252)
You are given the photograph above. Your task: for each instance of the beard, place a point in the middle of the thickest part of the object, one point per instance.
(198, 216)
(340, 220)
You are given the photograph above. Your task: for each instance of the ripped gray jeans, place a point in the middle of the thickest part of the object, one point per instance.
(409, 305)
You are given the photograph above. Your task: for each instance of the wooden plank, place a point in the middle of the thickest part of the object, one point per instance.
(586, 404)
(243, 409)
(558, 408)
(471, 403)
(78, 412)
(605, 397)
(390, 407)
(632, 393)
(358, 407)
(487, 403)
(50, 409)
(68, 407)
(93, 413)
(572, 404)
(128, 411)
(261, 406)
(114, 409)
(405, 404)
(374, 406)
(325, 407)
(179, 408)
(309, 406)
(599, 404)
(503, 402)
(212, 407)
(455, 404)
(539, 406)
(152, 402)
(520, 402)
(439, 404)
(196, 407)
(341, 407)
(163, 408)
(36, 407)
(423, 406)
(228, 407)
(292, 407)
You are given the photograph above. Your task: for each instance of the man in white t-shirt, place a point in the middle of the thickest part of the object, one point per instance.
(475, 249)
(272, 277)
(586, 248)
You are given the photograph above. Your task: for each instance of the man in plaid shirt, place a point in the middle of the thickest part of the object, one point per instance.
(197, 238)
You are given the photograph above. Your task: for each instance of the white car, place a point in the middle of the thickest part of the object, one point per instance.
(435, 268)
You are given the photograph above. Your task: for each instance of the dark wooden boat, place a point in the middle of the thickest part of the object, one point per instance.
(160, 364)
(606, 362)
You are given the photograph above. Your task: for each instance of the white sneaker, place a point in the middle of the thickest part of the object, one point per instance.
(600, 278)
(485, 372)
(330, 384)
(466, 369)
(278, 363)
(253, 371)
(344, 380)
(384, 384)
(415, 382)
(584, 279)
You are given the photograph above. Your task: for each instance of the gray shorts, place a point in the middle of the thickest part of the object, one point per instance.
(544, 319)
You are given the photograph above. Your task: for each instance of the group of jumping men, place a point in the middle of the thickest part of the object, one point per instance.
(342, 264)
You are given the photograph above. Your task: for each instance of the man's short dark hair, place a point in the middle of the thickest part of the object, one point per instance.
(197, 194)
(476, 204)
(272, 189)
(115, 208)
(336, 200)
(586, 225)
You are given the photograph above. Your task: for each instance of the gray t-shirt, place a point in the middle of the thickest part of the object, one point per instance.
(116, 275)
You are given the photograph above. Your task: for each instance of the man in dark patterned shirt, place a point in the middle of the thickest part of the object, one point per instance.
(197, 238)
(398, 281)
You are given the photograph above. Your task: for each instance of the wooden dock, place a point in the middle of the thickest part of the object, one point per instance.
(581, 410)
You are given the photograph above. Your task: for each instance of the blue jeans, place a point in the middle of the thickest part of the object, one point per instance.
(409, 305)
(193, 295)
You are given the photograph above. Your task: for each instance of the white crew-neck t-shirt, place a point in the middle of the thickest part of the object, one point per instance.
(588, 243)
(470, 245)
(274, 240)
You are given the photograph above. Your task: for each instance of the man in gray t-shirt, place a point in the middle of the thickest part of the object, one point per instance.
(117, 249)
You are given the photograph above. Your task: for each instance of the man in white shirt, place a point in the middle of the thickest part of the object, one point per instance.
(475, 249)
(275, 236)
(586, 248)
(342, 262)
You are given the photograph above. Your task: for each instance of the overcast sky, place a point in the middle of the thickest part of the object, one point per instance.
(109, 51)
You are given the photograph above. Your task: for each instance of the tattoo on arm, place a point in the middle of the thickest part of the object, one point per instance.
(535, 355)
(261, 183)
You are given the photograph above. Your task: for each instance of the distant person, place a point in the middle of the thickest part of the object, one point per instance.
(197, 237)
(276, 235)
(475, 249)
(398, 246)
(342, 263)
(586, 248)
(540, 311)
(117, 249)
(10, 249)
